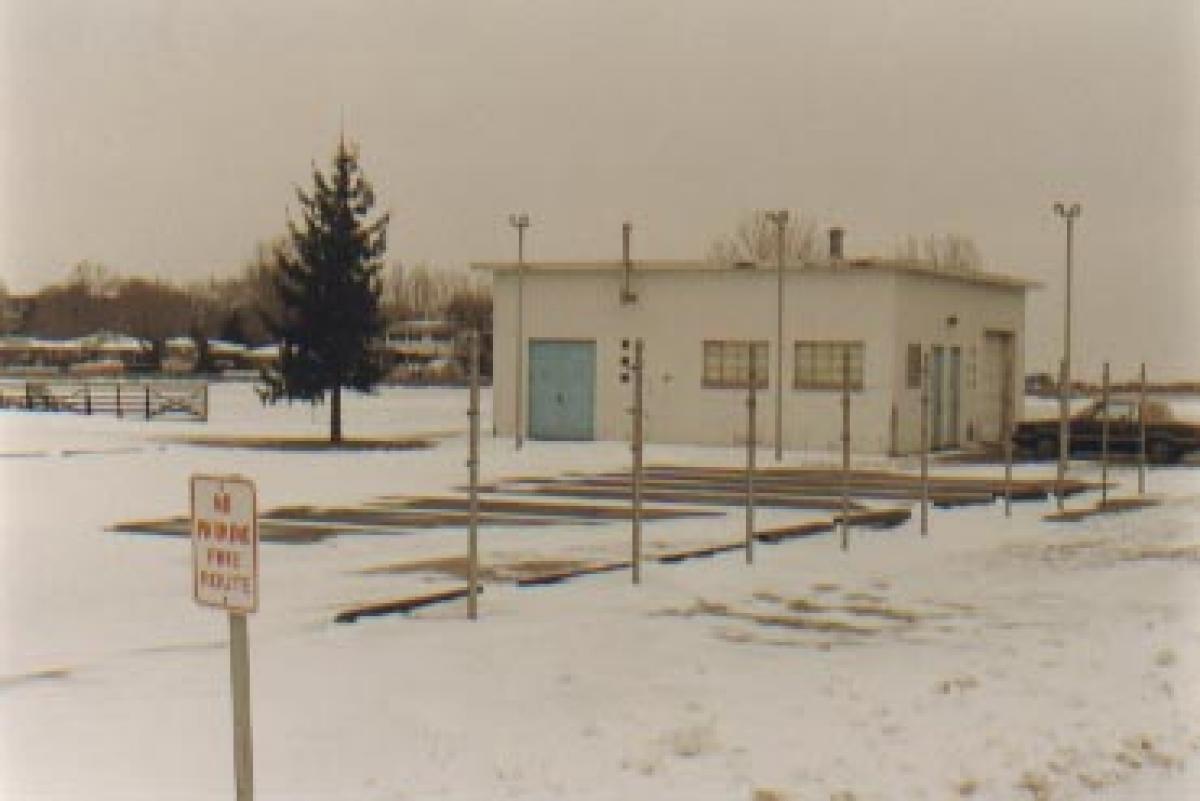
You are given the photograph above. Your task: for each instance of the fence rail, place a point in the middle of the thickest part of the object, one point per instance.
(148, 400)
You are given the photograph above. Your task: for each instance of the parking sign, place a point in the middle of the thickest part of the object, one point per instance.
(225, 542)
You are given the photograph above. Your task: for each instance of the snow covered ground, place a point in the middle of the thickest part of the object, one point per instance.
(996, 659)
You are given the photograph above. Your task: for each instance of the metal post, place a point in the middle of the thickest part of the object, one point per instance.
(1006, 420)
(146, 389)
(239, 672)
(894, 431)
(1069, 214)
(1064, 440)
(1104, 440)
(780, 218)
(845, 448)
(924, 444)
(635, 448)
(751, 436)
(120, 411)
(204, 408)
(473, 468)
(87, 399)
(1142, 429)
(520, 222)
(28, 397)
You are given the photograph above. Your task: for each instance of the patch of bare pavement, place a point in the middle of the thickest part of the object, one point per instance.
(396, 515)
(784, 487)
(524, 572)
(1103, 507)
(576, 496)
(313, 444)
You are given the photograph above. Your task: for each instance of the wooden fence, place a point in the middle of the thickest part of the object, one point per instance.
(146, 400)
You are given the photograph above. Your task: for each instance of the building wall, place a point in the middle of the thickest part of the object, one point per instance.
(676, 311)
(924, 306)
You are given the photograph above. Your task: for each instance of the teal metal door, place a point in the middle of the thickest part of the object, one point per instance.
(562, 390)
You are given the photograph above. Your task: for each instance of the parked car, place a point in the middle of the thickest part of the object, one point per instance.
(1168, 438)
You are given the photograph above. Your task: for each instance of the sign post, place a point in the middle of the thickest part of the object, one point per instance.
(636, 448)
(845, 448)
(1104, 441)
(751, 444)
(473, 469)
(1006, 425)
(924, 444)
(225, 576)
(1142, 430)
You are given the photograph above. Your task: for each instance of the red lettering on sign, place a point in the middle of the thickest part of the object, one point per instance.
(239, 534)
(221, 558)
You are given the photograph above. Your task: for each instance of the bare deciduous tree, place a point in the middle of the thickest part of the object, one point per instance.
(423, 292)
(755, 239)
(152, 311)
(81, 305)
(944, 252)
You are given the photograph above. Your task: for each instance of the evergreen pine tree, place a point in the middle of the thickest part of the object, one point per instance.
(329, 287)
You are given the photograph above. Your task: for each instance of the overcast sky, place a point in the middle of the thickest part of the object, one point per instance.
(167, 136)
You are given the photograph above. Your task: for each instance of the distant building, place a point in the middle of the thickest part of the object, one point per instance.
(101, 353)
(420, 349)
(700, 323)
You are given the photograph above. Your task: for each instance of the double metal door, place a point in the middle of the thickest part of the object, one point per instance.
(562, 389)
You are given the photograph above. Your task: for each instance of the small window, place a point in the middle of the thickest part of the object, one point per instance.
(913, 367)
(727, 364)
(819, 365)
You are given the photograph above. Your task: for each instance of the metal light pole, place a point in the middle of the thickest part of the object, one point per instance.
(473, 475)
(520, 222)
(1070, 214)
(780, 219)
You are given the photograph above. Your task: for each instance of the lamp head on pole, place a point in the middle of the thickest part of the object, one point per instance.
(778, 217)
(519, 220)
(1067, 212)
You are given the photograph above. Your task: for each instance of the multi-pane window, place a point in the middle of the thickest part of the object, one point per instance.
(913, 367)
(819, 365)
(727, 363)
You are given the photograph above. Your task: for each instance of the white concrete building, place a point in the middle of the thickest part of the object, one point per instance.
(698, 321)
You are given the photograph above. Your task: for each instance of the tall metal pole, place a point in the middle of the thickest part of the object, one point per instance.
(636, 449)
(1063, 436)
(473, 467)
(1070, 214)
(520, 222)
(780, 218)
(1142, 430)
(845, 448)
(751, 443)
(1104, 440)
(1007, 423)
(924, 444)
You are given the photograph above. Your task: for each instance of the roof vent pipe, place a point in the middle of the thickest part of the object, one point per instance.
(627, 295)
(837, 236)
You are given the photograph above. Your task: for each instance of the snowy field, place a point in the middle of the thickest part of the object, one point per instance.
(996, 659)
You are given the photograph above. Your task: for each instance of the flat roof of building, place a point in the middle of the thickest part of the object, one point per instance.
(905, 266)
